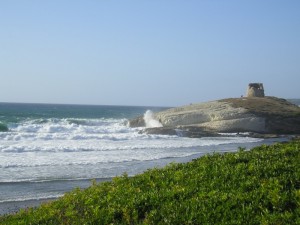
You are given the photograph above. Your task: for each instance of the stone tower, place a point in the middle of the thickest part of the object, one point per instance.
(255, 90)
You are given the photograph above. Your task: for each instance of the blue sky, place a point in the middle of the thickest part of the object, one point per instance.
(142, 52)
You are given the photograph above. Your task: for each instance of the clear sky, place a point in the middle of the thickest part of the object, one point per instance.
(147, 52)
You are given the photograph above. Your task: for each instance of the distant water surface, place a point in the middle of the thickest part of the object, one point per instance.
(295, 101)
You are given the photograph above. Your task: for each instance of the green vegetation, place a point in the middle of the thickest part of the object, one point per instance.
(261, 186)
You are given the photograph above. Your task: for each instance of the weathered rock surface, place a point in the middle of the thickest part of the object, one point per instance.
(267, 115)
(137, 122)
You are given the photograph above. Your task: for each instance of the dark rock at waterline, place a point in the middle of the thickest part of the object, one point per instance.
(260, 135)
(197, 132)
(190, 131)
(159, 130)
(137, 122)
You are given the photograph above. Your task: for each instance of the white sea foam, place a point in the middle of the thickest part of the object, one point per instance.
(31, 198)
(91, 152)
(65, 135)
(72, 148)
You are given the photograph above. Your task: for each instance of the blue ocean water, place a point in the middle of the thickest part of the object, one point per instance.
(47, 149)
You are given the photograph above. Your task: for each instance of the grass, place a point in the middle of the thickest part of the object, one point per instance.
(261, 186)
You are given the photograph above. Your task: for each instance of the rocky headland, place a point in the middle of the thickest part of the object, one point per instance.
(253, 116)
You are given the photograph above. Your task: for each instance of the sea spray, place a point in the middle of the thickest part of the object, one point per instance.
(150, 121)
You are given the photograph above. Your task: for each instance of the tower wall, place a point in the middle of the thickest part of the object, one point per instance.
(255, 90)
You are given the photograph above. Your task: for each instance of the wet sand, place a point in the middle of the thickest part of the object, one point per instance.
(14, 207)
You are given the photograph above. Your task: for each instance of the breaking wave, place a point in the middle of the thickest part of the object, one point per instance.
(150, 121)
(32, 198)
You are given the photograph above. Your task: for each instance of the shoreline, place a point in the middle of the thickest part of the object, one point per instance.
(226, 180)
(12, 207)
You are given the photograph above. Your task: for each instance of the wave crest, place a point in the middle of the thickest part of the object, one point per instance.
(150, 121)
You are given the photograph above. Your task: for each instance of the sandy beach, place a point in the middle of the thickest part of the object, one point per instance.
(13, 207)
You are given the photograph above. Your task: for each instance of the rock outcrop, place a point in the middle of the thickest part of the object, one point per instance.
(268, 115)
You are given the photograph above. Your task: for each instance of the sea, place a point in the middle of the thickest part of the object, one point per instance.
(47, 150)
